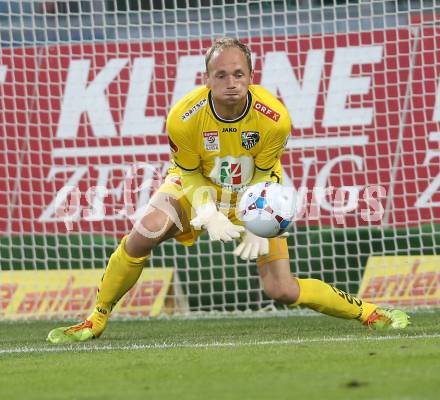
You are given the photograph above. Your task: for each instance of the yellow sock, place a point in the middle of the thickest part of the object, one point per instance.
(326, 299)
(121, 273)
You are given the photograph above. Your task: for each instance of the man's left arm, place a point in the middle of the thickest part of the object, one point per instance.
(266, 163)
(270, 156)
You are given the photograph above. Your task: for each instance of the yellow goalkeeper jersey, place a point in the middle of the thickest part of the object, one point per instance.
(227, 152)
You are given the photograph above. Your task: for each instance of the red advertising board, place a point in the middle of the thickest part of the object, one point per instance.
(75, 117)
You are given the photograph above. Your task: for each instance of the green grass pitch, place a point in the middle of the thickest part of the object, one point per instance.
(295, 357)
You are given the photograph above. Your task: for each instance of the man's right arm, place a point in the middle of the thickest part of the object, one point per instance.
(194, 184)
(197, 190)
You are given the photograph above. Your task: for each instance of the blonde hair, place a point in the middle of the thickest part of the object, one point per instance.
(226, 43)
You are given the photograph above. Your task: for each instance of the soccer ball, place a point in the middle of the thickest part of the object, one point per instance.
(266, 209)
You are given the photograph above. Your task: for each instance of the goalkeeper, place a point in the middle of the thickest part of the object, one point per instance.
(224, 136)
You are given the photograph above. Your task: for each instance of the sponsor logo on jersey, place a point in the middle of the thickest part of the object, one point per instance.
(267, 111)
(229, 130)
(230, 173)
(194, 110)
(212, 142)
(173, 146)
(249, 139)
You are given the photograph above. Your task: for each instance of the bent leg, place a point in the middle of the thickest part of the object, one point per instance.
(166, 217)
(126, 263)
(278, 282)
(274, 269)
(280, 285)
(326, 299)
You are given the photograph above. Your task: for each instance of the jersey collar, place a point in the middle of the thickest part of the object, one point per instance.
(240, 117)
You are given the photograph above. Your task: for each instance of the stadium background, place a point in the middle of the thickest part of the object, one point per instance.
(41, 44)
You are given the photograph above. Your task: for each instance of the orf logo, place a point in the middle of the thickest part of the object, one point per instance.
(267, 111)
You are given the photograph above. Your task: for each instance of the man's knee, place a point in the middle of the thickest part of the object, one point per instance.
(148, 232)
(282, 292)
(281, 295)
(139, 245)
(278, 282)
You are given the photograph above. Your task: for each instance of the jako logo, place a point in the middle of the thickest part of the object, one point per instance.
(229, 130)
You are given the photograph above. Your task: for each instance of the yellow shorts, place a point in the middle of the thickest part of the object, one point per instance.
(278, 249)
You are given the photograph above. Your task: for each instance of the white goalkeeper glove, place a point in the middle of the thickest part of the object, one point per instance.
(252, 246)
(216, 224)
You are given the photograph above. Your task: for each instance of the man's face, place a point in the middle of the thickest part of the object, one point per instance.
(228, 77)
